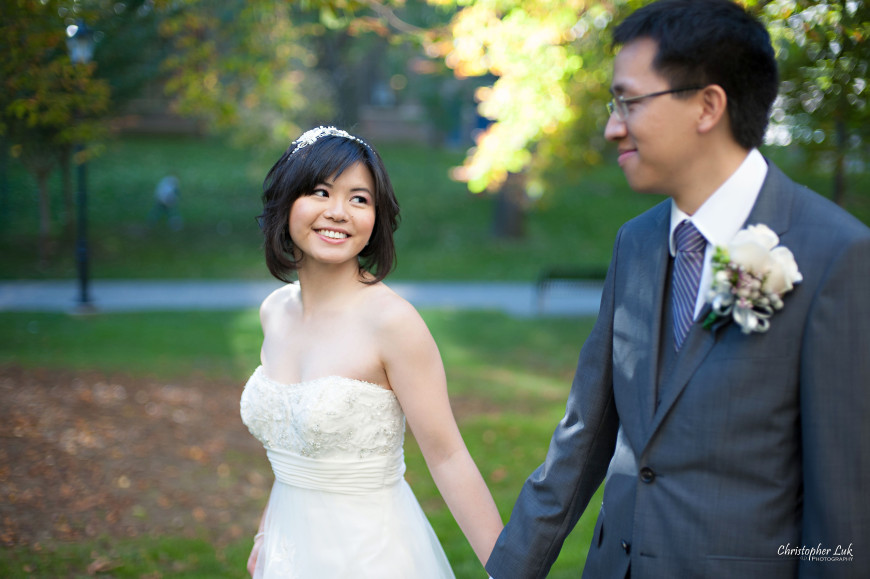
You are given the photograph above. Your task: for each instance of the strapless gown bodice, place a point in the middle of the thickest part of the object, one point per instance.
(331, 418)
(340, 506)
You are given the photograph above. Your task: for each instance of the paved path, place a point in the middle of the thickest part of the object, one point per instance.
(519, 299)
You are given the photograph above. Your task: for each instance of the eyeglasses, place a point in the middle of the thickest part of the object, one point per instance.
(618, 105)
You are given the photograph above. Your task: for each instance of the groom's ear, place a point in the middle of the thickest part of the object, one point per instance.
(714, 103)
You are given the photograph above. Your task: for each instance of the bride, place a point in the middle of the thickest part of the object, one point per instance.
(344, 362)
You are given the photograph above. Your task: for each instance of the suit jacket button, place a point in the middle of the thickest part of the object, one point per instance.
(647, 475)
(626, 546)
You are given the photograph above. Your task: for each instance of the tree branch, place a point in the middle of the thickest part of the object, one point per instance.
(390, 17)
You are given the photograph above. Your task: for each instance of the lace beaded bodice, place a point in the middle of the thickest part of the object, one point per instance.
(331, 417)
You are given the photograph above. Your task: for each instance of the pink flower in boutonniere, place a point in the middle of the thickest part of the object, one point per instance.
(750, 277)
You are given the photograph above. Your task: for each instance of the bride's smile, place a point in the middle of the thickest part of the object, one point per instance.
(333, 234)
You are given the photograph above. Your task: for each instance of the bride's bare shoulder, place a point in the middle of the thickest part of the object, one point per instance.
(390, 311)
(281, 301)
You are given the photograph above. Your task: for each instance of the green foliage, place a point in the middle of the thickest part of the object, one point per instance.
(46, 102)
(824, 58)
(44, 93)
(552, 66)
(552, 63)
(266, 69)
(245, 65)
(824, 61)
(128, 50)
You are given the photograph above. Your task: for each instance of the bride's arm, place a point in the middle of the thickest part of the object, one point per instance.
(416, 374)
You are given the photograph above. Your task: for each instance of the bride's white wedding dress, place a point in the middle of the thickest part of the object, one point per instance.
(340, 506)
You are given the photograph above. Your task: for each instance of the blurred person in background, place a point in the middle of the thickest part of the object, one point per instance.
(166, 197)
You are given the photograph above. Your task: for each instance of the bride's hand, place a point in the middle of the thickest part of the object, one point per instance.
(255, 552)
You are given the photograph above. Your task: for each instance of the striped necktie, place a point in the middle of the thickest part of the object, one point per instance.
(688, 261)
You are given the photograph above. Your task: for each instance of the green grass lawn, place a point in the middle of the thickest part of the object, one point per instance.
(446, 232)
(508, 378)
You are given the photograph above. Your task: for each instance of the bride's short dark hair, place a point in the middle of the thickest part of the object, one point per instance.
(306, 164)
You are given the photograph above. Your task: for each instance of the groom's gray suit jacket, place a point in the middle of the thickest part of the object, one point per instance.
(746, 448)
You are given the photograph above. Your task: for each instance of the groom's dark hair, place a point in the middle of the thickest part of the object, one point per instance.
(703, 42)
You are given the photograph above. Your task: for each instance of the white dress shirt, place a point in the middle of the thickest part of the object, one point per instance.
(723, 214)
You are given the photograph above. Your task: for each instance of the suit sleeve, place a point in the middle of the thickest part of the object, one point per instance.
(835, 416)
(554, 497)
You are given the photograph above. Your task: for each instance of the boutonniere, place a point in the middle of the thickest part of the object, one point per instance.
(750, 276)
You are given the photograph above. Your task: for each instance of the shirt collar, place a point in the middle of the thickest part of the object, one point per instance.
(726, 210)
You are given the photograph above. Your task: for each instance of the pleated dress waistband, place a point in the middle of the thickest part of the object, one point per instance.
(359, 476)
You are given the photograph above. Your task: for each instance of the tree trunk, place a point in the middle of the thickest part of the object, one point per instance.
(4, 183)
(839, 193)
(343, 75)
(509, 216)
(40, 162)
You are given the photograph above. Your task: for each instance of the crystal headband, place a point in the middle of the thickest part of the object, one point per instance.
(310, 137)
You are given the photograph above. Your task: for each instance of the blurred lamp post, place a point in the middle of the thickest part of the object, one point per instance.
(80, 42)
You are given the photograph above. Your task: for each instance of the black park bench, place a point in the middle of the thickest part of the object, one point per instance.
(564, 278)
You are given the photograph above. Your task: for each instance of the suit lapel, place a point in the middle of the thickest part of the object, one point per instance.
(643, 289)
(772, 208)
(696, 346)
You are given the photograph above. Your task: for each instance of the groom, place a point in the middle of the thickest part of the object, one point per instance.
(724, 454)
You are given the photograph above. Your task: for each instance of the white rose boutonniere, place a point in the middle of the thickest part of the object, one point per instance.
(750, 276)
